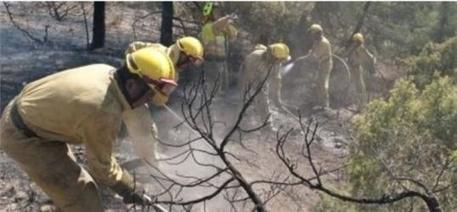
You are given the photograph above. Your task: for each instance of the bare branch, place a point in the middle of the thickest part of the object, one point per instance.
(15, 24)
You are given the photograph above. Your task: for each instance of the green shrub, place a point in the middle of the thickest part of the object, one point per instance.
(412, 134)
(434, 59)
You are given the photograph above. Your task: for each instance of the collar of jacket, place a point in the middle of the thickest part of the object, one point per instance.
(120, 92)
(173, 52)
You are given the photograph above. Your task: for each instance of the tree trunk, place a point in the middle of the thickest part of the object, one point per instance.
(441, 32)
(359, 25)
(166, 29)
(98, 35)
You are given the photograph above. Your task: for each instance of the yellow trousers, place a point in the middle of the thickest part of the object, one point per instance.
(323, 78)
(52, 166)
(357, 75)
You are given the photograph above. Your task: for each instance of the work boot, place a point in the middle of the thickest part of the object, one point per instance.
(49, 208)
(318, 108)
(329, 112)
(325, 111)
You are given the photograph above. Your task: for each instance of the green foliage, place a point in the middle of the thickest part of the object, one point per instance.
(413, 134)
(273, 19)
(392, 29)
(434, 59)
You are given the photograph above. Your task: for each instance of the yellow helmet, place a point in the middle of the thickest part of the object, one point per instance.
(191, 46)
(315, 28)
(358, 37)
(279, 50)
(151, 63)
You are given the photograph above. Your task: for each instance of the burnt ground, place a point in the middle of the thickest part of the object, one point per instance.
(23, 60)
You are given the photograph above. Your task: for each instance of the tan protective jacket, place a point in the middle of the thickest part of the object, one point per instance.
(213, 36)
(321, 50)
(360, 56)
(80, 106)
(255, 69)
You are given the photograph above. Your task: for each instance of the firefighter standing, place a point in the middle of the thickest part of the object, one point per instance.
(215, 35)
(321, 54)
(360, 61)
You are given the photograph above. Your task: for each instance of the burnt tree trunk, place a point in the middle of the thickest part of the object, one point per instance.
(166, 29)
(98, 35)
(441, 32)
(359, 25)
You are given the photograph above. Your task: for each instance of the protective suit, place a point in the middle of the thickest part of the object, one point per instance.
(256, 67)
(77, 106)
(360, 61)
(214, 36)
(140, 125)
(321, 54)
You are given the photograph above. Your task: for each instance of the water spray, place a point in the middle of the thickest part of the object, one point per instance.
(178, 117)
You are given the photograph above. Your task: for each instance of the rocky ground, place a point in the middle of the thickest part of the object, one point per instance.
(23, 60)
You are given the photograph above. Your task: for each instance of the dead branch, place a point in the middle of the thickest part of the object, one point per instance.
(141, 19)
(316, 182)
(16, 25)
(59, 10)
(224, 177)
(86, 26)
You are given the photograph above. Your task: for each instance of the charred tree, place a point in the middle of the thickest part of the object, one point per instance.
(98, 35)
(166, 29)
(442, 28)
(359, 25)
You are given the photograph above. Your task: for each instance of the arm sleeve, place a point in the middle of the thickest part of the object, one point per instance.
(328, 50)
(368, 61)
(221, 24)
(101, 132)
(231, 32)
(143, 133)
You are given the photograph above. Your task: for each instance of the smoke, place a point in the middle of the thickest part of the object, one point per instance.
(173, 132)
(286, 68)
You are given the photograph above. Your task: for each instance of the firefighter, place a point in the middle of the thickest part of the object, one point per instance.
(185, 52)
(83, 106)
(360, 61)
(263, 64)
(321, 54)
(216, 33)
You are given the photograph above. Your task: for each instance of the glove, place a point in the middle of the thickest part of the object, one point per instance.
(159, 99)
(141, 198)
(137, 197)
